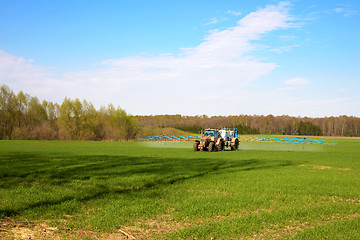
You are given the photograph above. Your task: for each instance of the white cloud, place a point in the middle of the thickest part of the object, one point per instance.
(323, 107)
(283, 48)
(215, 20)
(345, 10)
(342, 89)
(217, 66)
(235, 13)
(13, 68)
(288, 37)
(339, 10)
(207, 78)
(295, 83)
(20, 73)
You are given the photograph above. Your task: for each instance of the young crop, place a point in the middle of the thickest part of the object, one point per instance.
(167, 191)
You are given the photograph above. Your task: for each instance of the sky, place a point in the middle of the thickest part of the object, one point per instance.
(230, 57)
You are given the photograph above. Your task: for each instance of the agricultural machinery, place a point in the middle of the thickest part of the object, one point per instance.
(216, 140)
(230, 138)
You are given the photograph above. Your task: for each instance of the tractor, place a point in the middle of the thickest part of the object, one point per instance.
(211, 140)
(230, 138)
(216, 140)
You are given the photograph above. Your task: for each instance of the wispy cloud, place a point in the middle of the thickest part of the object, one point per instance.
(295, 83)
(345, 10)
(13, 68)
(283, 48)
(235, 13)
(288, 37)
(213, 20)
(220, 66)
(23, 74)
(342, 89)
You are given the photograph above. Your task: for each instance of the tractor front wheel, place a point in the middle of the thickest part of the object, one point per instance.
(196, 146)
(211, 147)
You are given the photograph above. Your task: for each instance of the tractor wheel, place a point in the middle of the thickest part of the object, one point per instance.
(221, 146)
(211, 146)
(196, 146)
(235, 146)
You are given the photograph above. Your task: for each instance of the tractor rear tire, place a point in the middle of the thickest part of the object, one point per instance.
(221, 146)
(235, 146)
(196, 146)
(211, 147)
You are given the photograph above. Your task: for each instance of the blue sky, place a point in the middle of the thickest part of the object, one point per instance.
(298, 58)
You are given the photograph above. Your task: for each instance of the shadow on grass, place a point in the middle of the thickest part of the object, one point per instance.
(104, 173)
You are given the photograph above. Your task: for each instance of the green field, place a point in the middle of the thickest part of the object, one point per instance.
(102, 190)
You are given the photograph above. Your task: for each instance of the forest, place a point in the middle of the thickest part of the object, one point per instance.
(25, 117)
(258, 124)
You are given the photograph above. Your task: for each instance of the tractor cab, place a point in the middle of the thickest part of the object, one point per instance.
(211, 133)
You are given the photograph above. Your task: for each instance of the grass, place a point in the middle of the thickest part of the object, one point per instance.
(77, 190)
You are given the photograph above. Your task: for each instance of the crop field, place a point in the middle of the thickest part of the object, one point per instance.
(133, 190)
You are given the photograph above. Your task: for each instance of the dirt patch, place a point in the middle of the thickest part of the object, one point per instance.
(315, 166)
(342, 199)
(13, 230)
(344, 169)
(153, 228)
(150, 227)
(84, 234)
(323, 167)
(205, 191)
(294, 227)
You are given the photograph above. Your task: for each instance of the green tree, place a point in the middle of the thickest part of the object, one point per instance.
(121, 126)
(88, 121)
(8, 104)
(22, 107)
(66, 121)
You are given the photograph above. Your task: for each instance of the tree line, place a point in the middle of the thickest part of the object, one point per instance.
(259, 124)
(25, 117)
